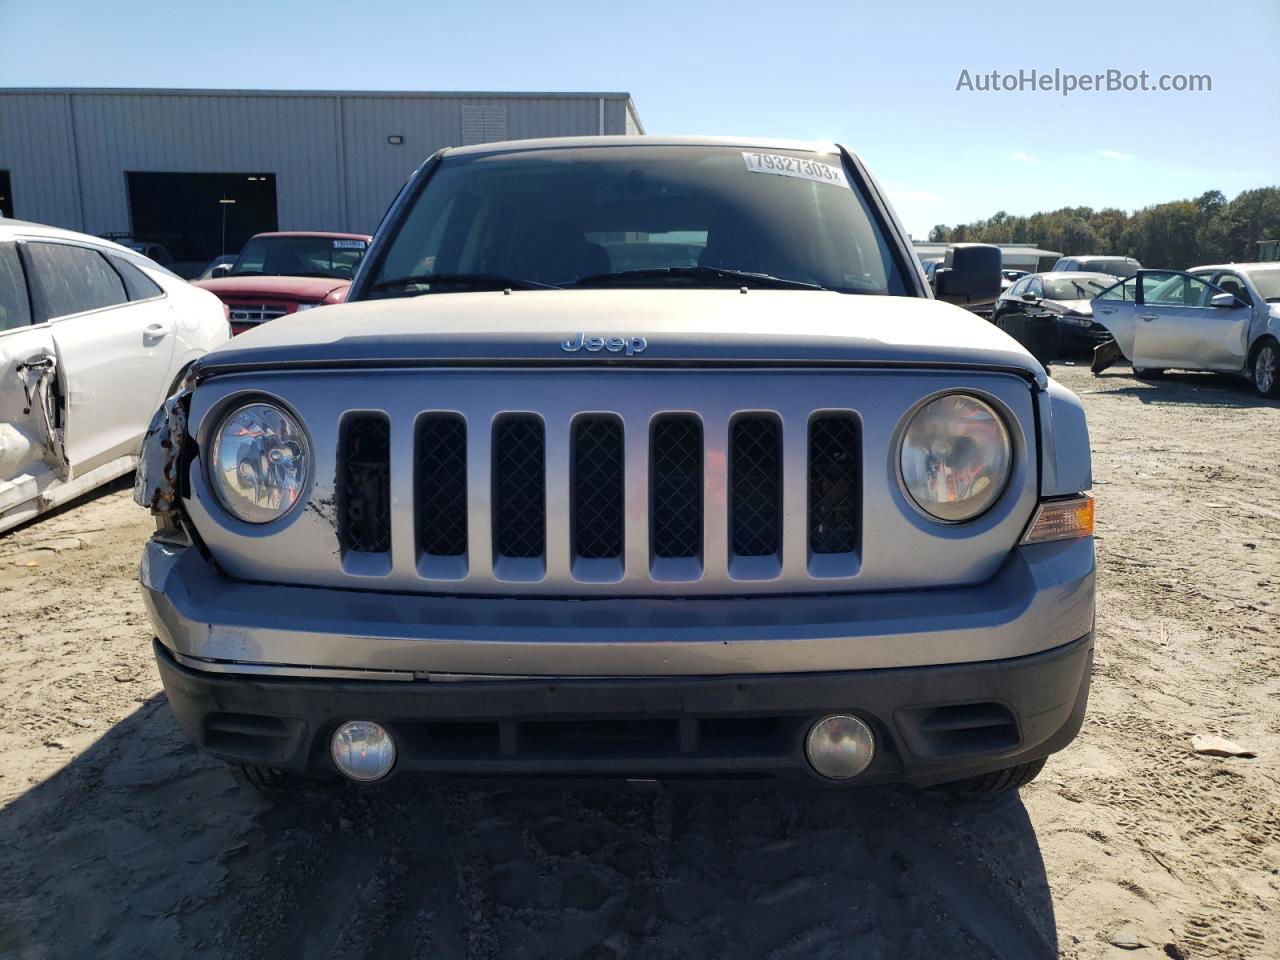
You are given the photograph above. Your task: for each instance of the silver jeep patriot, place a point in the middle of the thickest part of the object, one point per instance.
(634, 458)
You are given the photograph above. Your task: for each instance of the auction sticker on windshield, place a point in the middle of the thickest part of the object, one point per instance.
(800, 167)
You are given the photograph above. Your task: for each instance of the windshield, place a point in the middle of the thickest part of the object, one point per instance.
(1268, 283)
(1074, 289)
(638, 216)
(299, 257)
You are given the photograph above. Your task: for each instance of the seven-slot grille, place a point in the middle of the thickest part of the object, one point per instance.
(595, 503)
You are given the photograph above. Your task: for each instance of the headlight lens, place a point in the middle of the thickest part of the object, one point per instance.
(259, 462)
(956, 457)
(307, 306)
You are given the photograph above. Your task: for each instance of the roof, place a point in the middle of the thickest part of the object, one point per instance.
(563, 143)
(1074, 275)
(1100, 256)
(314, 233)
(1025, 248)
(29, 229)
(425, 94)
(1256, 265)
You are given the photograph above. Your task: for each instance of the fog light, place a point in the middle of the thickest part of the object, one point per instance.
(840, 747)
(362, 750)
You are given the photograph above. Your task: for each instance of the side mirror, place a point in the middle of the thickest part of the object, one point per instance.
(221, 270)
(1224, 300)
(970, 274)
(1030, 297)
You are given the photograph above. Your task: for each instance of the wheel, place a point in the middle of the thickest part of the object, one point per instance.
(997, 781)
(1147, 373)
(1266, 369)
(265, 780)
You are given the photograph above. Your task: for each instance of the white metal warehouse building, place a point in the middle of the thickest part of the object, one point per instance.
(170, 164)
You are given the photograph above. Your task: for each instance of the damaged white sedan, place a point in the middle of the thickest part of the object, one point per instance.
(93, 337)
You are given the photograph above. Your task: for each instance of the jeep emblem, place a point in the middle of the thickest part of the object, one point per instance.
(580, 341)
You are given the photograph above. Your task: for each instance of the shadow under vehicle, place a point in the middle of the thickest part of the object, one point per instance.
(141, 846)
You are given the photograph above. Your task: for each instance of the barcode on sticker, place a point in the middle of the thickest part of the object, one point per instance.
(802, 167)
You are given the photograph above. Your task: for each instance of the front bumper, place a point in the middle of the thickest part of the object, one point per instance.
(955, 682)
(932, 724)
(1041, 597)
(1085, 338)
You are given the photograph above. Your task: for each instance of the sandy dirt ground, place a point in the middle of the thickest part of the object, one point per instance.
(117, 840)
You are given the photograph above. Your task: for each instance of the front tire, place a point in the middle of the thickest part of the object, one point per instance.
(1266, 370)
(997, 781)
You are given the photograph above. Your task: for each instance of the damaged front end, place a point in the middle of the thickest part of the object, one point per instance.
(156, 484)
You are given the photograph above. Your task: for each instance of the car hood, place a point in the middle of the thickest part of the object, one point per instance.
(1082, 307)
(292, 288)
(679, 327)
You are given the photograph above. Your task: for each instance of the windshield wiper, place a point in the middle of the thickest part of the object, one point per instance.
(741, 277)
(476, 281)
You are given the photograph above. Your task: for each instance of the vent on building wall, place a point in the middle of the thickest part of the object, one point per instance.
(483, 123)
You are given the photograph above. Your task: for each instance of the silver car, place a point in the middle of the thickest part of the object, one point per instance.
(634, 458)
(1224, 318)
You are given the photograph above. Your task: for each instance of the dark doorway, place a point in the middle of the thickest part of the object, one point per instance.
(6, 195)
(188, 212)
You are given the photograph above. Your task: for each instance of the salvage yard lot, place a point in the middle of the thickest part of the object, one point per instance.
(118, 840)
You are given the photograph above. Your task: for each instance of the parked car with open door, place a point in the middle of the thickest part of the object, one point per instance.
(93, 336)
(1224, 318)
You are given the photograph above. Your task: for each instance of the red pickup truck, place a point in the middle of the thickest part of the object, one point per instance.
(279, 273)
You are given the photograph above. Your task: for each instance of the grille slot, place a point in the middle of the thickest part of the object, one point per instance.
(755, 486)
(597, 498)
(833, 484)
(254, 312)
(364, 488)
(519, 487)
(441, 485)
(675, 511)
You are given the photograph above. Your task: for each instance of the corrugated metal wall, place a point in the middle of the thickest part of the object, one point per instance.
(68, 153)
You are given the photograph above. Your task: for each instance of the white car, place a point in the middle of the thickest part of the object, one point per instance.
(93, 337)
(1224, 318)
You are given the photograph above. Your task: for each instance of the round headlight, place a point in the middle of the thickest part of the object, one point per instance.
(956, 457)
(259, 462)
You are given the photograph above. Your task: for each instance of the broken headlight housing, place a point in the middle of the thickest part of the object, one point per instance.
(956, 457)
(259, 463)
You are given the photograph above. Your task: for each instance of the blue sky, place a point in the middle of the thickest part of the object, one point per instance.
(880, 77)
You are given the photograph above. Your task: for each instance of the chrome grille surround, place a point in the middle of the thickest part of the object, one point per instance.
(895, 548)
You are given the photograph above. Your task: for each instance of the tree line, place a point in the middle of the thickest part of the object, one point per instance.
(1176, 235)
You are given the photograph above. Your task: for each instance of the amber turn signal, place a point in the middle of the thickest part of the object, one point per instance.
(1062, 519)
